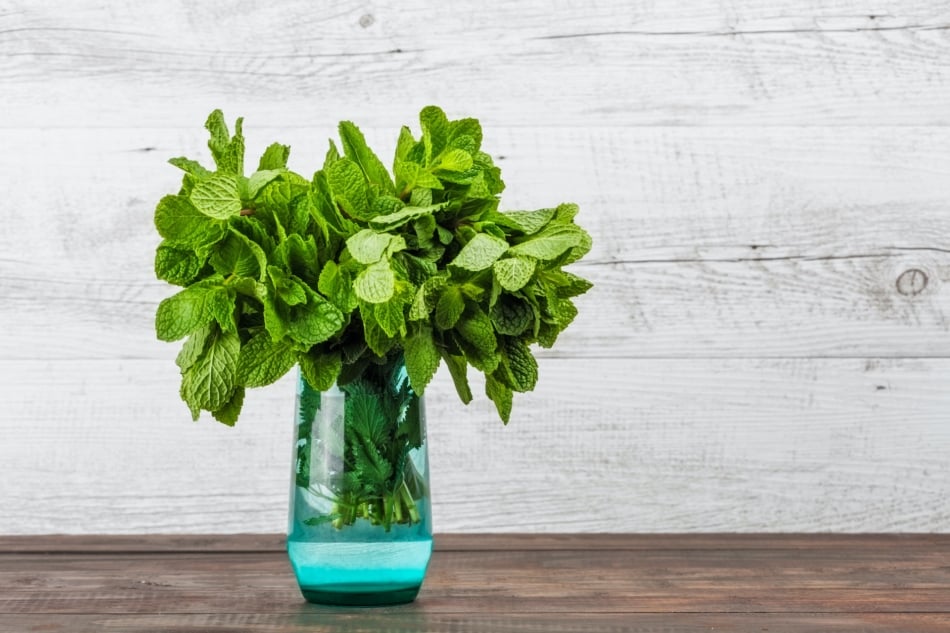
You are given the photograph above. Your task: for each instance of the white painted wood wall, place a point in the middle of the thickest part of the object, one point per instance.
(767, 183)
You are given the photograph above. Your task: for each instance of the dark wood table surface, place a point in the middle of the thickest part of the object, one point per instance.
(523, 583)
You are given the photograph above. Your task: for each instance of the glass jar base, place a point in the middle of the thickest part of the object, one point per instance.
(359, 595)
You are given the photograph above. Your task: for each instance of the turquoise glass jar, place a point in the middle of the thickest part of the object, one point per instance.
(360, 529)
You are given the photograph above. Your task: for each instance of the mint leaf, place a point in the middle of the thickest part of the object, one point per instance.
(209, 382)
(402, 217)
(315, 321)
(189, 166)
(355, 148)
(368, 246)
(520, 365)
(228, 152)
(422, 358)
(511, 316)
(404, 145)
(466, 128)
(262, 361)
(480, 253)
(349, 188)
(228, 414)
(376, 283)
(274, 157)
(501, 395)
(513, 272)
(333, 285)
(435, 131)
(476, 328)
(449, 308)
(456, 160)
(550, 243)
(178, 221)
(238, 255)
(194, 347)
(458, 368)
(217, 196)
(259, 179)
(527, 222)
(184, 312)
(176, 265)
(292, 291)
(221, 305)
(411, 175)
(320, 369)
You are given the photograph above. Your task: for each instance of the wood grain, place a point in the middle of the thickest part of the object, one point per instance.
(601, 63)
(602, 445)
(865, 583)
(315, 621)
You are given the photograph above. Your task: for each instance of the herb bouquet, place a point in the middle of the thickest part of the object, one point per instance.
(367, 281)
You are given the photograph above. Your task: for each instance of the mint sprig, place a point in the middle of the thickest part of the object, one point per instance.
(357, 264)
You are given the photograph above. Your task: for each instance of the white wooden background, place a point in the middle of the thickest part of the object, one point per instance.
(768, 186)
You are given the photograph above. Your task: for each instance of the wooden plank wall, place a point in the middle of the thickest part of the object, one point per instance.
(768, 187)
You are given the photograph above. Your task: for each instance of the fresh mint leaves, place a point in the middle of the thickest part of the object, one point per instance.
(356, 265)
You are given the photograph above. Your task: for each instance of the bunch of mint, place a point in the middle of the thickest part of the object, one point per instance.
(357, 265)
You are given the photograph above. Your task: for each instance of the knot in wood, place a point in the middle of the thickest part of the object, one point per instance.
(911, 282)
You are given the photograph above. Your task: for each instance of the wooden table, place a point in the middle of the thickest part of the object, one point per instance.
(523, 583)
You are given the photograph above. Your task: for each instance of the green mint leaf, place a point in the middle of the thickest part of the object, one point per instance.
(435, 131)
(466, 127)
(334, 286)
(176, 265)
(520, 365)
(404, 145)
(526, 222)
(513, 272)
(426, 298)
(228, 414)
(194, 347)
(458, 368)
(349, 188)
(501, 395)
(260, 178)
(238, 255)
(355, 148)
(209, 382)
(454, 160)
(291, 290)
(222, 307)
(390, 317)
(262, 361)
(228, 152)
(376, 338)
(320, 369)
(511, 316)
(410, 176)
(475, 327)
(376, 283)
(449, 308)
(402, 217)
(217, 196)
(178, 221)
(551, 242)
(368, 246)
(570, 285)
(189, 166)
(422, 358)
(274, 157)
(313, 322)
(480, 253)
(184, 312)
